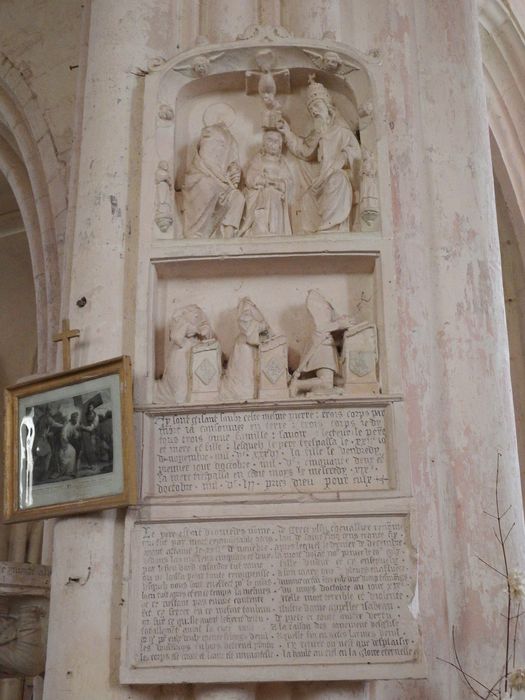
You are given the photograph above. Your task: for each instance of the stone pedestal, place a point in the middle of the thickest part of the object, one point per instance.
(273, 369)
(359, 360)
(369, 209)
(205, 372)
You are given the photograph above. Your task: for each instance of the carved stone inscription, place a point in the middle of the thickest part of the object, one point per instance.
(278, 451)
(246, 592)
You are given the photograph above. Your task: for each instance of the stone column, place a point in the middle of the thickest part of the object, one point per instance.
(217, 20)
(83, 644)
(270, 12)
(453, 336)
(25, 542)
(20, 542)
(84, 628)
(440, 215)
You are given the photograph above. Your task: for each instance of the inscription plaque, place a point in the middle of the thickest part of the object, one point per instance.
(277, 592)
(303, 450)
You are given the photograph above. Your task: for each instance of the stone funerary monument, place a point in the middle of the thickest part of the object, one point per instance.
(274, 536)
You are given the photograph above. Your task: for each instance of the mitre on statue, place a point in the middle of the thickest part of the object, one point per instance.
(316, 91)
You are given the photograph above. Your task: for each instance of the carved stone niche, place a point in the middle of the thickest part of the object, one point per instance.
(268, 329)
(24, 607)
(260, 139)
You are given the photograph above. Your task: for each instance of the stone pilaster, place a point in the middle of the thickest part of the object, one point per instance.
(84, 624)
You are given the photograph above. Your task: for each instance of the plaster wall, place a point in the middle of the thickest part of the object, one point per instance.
(41, 39)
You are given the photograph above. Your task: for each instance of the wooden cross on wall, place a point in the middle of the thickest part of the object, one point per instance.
(65, 338)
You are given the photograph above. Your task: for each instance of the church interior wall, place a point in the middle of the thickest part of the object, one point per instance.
(83, 66)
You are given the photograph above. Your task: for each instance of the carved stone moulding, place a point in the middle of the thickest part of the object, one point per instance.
(269, 328)
(268, 136)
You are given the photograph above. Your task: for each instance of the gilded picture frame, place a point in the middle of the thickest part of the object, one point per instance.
(69, 443)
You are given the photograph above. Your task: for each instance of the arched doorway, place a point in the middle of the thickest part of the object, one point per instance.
(18, 358)
(503, 44)
(18, 340)
(33, 210)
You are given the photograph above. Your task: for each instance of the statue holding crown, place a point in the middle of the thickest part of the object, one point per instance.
(334, 146)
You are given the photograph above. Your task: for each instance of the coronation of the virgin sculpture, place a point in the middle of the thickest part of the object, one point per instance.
(285, 158)
(319, 174)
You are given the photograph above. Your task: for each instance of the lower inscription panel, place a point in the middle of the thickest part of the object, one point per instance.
(332, 593)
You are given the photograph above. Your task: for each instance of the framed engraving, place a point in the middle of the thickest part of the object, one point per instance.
(69, 442)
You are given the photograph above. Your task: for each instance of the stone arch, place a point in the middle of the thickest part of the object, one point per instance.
(29, 161)
(503, 45)
(503, 42)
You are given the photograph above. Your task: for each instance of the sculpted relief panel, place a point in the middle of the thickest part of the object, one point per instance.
(264, 142)
(340, 353)
(320, 184)
(278, 341)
